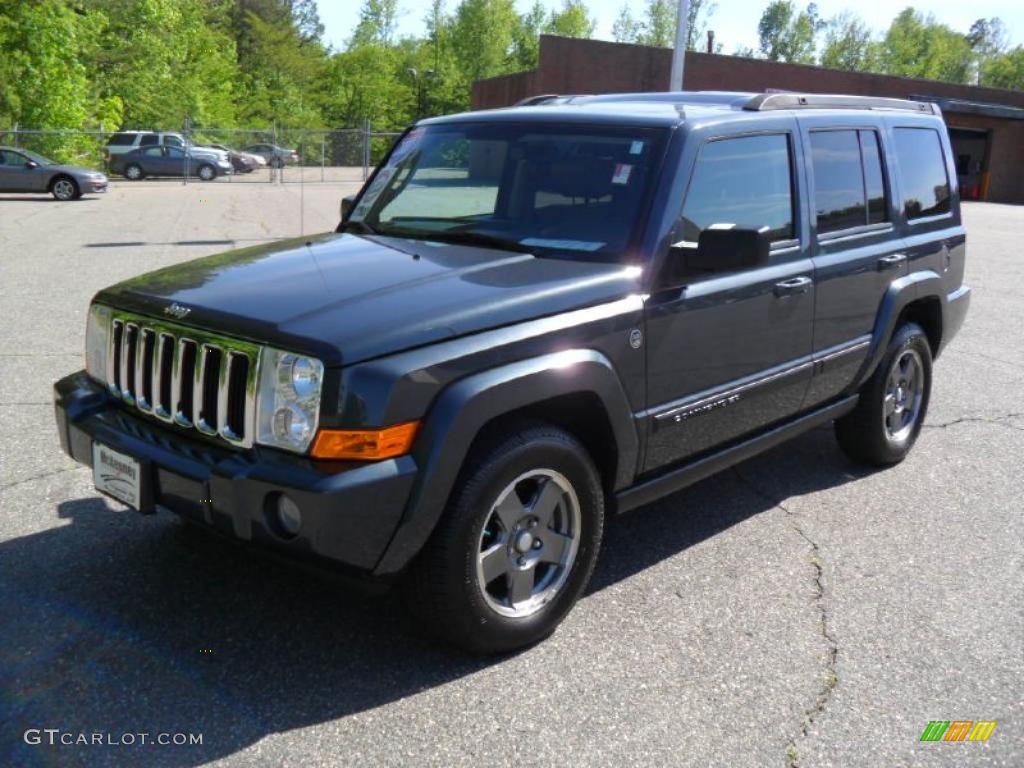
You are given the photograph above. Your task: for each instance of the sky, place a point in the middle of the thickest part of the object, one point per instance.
(734, 21)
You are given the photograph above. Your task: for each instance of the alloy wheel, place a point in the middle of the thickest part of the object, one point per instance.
(904, 393)
(63, 189)
(528, 543)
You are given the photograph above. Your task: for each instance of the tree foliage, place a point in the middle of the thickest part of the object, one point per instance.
(788, 34)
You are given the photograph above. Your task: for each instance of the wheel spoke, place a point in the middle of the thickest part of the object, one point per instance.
(494, 562)
(889, 405)
(510, 511)
(555, 546)
(548, 498)
(520, 586)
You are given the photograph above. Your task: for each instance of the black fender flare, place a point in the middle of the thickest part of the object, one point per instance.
(463, 408)
(924, 284)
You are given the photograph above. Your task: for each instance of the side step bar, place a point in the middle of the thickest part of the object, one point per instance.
(649, 490)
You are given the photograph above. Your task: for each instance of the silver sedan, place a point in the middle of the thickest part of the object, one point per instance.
(24, 171)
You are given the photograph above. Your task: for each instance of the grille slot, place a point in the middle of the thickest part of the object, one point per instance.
(186, 377)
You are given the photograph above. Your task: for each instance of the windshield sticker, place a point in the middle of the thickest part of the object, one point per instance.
(636, 148)
(622, 172)
(565, 245)
(380, 181)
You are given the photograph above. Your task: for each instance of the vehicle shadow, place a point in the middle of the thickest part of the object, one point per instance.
(46, 197)
(117, 623)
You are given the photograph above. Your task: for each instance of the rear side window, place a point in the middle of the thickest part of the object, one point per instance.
(849, 190)
(120, 140)
(746, 182)
(148, 140)
(923, 176)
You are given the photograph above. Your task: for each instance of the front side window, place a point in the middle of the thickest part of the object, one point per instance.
(148, 140)
(562, 191)
(744, 182)
(923, 177)
(849, 188)
(172, 141)
(153, 152)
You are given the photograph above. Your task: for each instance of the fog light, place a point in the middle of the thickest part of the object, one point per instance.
(289, 518)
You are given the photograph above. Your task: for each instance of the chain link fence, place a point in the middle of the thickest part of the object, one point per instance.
(290, 155)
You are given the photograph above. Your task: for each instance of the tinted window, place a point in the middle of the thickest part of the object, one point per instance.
(745, 182)
(153, 152)
(849, 189)
(923, 176)
(148, 140)
(172, 141)
(120, 140)
(874, 183)
(838, 180)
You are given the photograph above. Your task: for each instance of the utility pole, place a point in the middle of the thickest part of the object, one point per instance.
(679, 53)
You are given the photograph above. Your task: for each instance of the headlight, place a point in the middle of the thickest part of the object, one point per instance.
(288, 406)
(97, 341)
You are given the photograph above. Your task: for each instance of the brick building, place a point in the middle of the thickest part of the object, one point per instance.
(986, 124)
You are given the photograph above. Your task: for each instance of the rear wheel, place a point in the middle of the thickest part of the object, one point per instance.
(884, 426)
(516, 545)
(133, 172)
(64, 188)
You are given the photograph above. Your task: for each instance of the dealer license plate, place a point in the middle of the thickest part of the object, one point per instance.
(116, 474)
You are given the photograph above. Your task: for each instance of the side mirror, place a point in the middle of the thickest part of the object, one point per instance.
(347, 204)
(30, 164)
(727, 250)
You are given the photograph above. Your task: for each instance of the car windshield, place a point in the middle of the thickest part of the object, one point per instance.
(37, 158)
(566, 191)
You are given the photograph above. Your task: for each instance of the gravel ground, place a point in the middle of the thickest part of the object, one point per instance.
(795, 610)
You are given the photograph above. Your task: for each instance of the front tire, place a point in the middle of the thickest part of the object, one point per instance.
(893, 403)
(64, 188)
(516, 545)
(207, 172)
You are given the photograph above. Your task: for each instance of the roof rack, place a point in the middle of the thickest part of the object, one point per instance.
(770, 101)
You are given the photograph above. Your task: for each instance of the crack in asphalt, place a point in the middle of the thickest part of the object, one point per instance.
(999, 421)
(40, 476)
(831, 678)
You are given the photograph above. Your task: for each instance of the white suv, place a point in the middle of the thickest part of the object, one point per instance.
(125, 141)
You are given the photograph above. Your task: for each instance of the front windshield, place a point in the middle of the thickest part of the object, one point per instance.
(570, 191)
(37, 158)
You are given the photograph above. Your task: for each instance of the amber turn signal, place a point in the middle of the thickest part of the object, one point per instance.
(365, 444)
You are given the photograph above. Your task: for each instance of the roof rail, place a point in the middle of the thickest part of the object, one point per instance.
(771, 101)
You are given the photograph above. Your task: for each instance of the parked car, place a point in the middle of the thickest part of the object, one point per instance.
(530, 319)
(242, 162)
(170, 161)
(123, 142)
(24, 171)
(275, 156)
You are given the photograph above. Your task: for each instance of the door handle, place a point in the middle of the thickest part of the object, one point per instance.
(893, 261)
(793, 286)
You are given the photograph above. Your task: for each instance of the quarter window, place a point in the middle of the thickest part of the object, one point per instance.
(849, 188)
(745, 182)
(923, 177)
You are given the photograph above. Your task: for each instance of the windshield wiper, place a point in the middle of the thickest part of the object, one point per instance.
(471, 238)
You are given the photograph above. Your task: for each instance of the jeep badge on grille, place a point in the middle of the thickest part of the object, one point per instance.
(176, 310)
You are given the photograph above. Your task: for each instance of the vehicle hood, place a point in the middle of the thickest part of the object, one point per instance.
(346, 298)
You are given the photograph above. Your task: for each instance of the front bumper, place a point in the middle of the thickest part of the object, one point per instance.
(349, 510)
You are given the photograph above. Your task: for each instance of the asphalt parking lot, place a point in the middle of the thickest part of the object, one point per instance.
(797, 610)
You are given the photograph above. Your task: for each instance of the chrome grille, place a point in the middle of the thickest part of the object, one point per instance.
(185, 376)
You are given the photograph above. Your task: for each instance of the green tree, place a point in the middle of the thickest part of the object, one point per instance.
(626, 29)
(483, 34)
(918, 46)
(1005, 70)
(659, 26)
(573, 20)
(378, 21)
(786, 34)
(847, 43)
